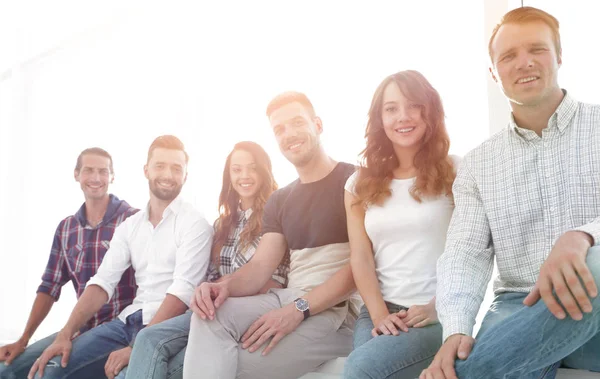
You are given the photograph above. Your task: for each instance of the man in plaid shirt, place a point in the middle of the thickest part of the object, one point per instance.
(79, 245)
(529, 198)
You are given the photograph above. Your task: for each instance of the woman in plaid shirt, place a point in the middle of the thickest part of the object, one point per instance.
(248, 182)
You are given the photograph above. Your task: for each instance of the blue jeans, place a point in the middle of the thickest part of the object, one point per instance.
(91, 349)
(516, 341)
(19, 368)
(403, 356)
(159, 350)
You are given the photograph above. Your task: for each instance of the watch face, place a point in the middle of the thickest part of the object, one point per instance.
(301, 305)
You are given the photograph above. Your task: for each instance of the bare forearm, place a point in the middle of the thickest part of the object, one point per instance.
(335, 290)
(171, 307)
(365, 277)
(41, 306)
(248, 280)
(90, 302)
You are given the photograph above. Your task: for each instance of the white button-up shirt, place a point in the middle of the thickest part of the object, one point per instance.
(171, 258)
(515, 195)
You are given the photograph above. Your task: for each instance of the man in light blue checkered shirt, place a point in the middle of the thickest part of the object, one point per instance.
(529, 197)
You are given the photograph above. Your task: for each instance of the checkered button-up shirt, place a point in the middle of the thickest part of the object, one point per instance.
(77, 251)
(232, 257)
(515, 195)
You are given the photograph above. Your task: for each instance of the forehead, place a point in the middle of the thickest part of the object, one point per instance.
(95, 161)
(288, 112)
(392, 93)
(512, 36)
(241, 157)
(169, 156)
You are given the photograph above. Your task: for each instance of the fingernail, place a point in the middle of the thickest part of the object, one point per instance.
(560, 315)
(587, 308)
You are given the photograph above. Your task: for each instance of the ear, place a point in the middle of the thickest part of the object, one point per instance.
(76, 175)
(112, 178)
(146, 171)
(185, 177)
(319, 124)
(559, 59)
(493, 75)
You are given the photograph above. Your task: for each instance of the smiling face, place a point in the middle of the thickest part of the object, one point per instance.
(244, 176)
(94, 176)
(402, 119)
(526, 62)
(297, 132)
(166, 172)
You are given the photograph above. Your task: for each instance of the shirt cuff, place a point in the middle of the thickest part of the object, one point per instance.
(109, 289)
(456, 325)
(50, 289)
(592, 229)
(181, 289)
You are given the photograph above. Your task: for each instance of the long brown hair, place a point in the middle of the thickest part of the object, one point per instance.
(435, 172)
(229, 201)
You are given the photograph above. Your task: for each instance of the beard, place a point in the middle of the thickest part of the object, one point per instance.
(301, 160)
(164, 193)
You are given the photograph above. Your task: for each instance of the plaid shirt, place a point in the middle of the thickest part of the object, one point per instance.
(78, 250)
(232, 258)
(515, 195)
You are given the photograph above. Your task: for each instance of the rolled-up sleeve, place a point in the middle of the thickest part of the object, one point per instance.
(115, 262)
(56, 273)
(192, 257)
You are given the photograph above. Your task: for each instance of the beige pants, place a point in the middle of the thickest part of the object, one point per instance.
(214, 350)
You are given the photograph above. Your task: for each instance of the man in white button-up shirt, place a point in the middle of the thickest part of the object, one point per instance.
(167, 244)
(530, 198)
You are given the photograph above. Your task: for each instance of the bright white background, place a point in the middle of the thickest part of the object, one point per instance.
(80, 74)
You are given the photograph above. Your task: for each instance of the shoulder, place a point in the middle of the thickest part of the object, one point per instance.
(191, 215)
(351, 182)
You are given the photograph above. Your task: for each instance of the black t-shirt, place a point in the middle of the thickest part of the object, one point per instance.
(310, 214)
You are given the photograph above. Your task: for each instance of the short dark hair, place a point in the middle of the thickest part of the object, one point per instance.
(94, 151)
(167, 142)
(287, 98)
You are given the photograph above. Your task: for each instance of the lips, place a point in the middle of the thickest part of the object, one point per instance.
(405, 129)
(295, 145)
(527, 79)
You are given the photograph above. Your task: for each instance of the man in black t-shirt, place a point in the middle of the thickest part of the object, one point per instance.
(308, 323)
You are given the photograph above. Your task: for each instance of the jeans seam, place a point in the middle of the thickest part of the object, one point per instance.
(159, 346)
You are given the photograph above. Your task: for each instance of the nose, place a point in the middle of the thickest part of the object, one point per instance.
(524, 61)
(403, 114)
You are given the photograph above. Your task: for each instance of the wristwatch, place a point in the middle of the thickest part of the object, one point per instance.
(302, 306)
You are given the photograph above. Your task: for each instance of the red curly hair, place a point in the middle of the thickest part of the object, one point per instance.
(435, 171)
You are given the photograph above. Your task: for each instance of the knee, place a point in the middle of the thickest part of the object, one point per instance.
(6, 372)
(145, 338)
(357, 365)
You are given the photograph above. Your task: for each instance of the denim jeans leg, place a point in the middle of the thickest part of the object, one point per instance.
(89, 352)
(19, 368)
(531, 341)
(155, 347)
(403, 356)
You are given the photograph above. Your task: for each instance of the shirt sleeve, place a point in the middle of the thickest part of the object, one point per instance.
(466, 266)
(56, 273)
(192, 256)
(116, 260)
(271, 222)
(351, 183)
(593, 229)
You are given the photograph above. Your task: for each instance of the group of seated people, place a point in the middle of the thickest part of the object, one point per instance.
(276, 286)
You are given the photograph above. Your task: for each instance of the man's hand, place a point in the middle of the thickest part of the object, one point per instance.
(207, 297)
(9, 352)
(559, 273)
(419, 316)
(388, 325)
(117, 360)
(442, 367)
(277, 323)
(61, 346)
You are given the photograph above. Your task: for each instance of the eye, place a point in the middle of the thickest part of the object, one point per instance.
(414, 106)
(507, 58)
(390, 109)
(103, 171)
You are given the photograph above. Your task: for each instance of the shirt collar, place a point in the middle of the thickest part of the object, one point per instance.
(113, 206)
(244, 215)
(173, 208)
(561, 118)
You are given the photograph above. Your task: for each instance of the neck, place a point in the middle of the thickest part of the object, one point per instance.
(536, 117)
(96, 208)
(246, 203)
(156, 208)
(317, 168)
(406, 167)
